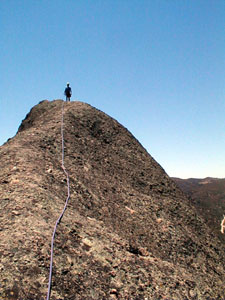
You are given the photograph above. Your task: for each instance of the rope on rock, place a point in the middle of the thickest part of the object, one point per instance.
(61, 215)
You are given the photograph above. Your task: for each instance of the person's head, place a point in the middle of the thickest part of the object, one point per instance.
(68, 84)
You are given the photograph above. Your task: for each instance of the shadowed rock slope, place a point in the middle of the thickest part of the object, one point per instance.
(208, 196)
(128, 231)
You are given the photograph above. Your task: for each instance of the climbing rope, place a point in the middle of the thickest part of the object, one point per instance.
(61, 215)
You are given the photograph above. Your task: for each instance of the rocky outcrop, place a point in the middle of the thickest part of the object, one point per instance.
(128, 231)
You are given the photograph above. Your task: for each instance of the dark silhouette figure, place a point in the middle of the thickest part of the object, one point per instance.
(68, 91)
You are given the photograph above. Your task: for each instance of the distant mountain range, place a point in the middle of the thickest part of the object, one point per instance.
(208, 196)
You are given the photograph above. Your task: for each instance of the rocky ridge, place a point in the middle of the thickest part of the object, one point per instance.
(128, 231)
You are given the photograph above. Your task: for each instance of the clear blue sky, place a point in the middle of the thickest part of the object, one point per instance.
(157, 66)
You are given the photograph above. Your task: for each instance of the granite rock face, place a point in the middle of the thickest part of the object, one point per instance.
(128, 231)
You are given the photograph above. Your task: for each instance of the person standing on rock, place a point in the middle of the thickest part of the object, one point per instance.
(68, 91)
